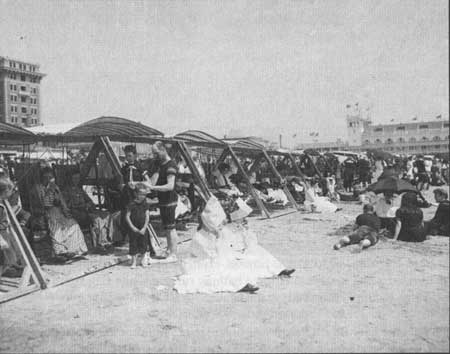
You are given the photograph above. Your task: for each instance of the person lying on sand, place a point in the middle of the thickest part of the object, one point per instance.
(366, 230)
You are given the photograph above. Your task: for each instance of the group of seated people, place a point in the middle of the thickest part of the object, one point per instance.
(404, 222)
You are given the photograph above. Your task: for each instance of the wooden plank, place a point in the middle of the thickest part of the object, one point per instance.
(18, 293)
(91, 160)
(111, 156)
(281, 180)
(24, 248)
(185, 153)
(255, 196)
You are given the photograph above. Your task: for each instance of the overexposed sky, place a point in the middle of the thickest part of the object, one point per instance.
(258, 67)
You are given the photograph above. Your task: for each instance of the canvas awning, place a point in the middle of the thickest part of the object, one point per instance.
(14, 135)
(197, 137)
(115, 128)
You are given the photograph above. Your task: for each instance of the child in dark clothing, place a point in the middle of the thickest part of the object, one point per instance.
(137, 217)
(366, 230)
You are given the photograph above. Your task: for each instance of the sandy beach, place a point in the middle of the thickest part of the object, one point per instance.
(391, 297)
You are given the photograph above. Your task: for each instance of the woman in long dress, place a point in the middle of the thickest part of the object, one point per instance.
(317, 203)
(225, 257)
(50, 213)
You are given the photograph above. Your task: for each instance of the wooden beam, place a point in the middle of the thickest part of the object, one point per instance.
(185, 153)
(255, 196)
(24, 248)
(280, 178)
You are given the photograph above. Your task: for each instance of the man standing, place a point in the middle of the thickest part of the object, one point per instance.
(349, 174)
(167, 197)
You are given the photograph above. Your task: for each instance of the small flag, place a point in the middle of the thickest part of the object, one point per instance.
(294, 135)
(357, 104)
(348, 105)
(392, 119)
(311, 134)
(439, 116)
(415, 118)
(317, 134)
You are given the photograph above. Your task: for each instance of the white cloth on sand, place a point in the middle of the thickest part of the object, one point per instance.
(225, 259)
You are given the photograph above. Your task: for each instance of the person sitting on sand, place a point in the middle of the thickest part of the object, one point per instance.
(366, 228)
(409, 220)
(439, 225)
(385, 207)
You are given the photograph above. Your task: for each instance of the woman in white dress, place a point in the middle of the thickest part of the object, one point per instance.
(225, 257)
(314, 202)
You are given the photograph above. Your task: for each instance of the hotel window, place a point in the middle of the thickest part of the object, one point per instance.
(23, 78)
(424, 138)
(445, 125)
(413, 140)
(24, 110)
(389, 141)
(23, 99)
(401, 140)
(24, 120)
(436, 138)
(23, 88)
(378, 130)
(401, 128)
(424, 126)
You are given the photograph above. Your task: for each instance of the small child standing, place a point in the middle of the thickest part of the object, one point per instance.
(366, 230)
(138, 217)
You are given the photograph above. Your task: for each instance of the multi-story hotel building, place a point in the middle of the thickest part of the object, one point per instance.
(20, 102)
(415, 137)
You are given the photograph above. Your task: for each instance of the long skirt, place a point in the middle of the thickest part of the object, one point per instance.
(226, 263)
(65, 233)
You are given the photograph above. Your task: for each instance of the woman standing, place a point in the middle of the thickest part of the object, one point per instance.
(409, 217)
(50, 213)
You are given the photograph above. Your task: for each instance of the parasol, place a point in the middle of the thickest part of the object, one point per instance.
(392, 184)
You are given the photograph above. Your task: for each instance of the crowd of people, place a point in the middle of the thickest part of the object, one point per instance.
(64, 215)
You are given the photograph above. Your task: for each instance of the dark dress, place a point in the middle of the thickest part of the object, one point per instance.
(412, 229)
(138, 243)
(440, 224)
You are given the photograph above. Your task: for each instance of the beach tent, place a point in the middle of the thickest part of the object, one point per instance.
(32, 278)
(248, 148)
(14, 135)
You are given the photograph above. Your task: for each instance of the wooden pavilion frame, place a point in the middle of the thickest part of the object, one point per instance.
(32, 278)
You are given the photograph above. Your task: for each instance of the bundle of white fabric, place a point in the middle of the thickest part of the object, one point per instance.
(224, 258)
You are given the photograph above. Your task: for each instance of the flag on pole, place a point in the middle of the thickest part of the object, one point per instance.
(439, 116)
(348, 105)
(392, 119)
(414, 118)
(294, 135)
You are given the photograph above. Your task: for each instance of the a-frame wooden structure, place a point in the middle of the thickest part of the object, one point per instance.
(246, 148)
(32, 278)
